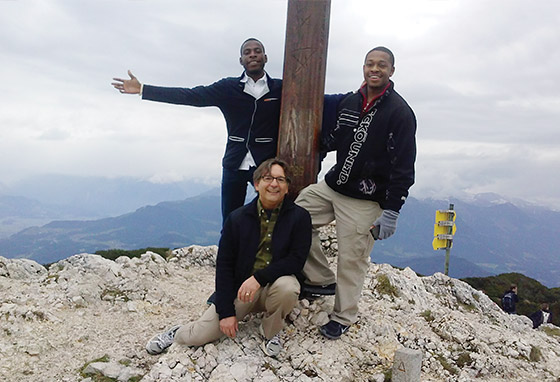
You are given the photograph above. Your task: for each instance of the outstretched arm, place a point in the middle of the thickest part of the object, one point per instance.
(131, 86)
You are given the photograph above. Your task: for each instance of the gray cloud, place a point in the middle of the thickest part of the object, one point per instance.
(481, 76)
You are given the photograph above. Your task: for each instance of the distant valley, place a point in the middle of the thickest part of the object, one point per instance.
(493, 236)
(39, 200)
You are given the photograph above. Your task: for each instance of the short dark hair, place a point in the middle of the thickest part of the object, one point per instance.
(382, 49)
(265, 167)
(250, 39)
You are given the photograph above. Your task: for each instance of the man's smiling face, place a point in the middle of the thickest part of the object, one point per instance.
(272, 193)
(252, 57)
(378, 68)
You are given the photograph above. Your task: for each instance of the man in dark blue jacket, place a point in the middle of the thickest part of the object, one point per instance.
(510, 299)
(251, 107)
(373, 132)
(264, 244)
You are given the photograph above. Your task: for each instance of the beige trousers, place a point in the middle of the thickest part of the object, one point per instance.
(353, 218)
(276, 299)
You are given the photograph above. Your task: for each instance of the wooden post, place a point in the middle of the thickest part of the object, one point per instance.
(305, 62)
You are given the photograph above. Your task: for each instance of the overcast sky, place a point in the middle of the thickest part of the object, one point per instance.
(482, 77)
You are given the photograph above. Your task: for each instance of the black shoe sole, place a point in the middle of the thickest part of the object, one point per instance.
(309, 296)
(317, 290)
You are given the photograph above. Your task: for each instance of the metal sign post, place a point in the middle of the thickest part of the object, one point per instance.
(444, 229)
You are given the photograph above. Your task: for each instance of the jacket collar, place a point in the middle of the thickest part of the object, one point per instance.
(379, 98)
(272, 83)
(286, 204)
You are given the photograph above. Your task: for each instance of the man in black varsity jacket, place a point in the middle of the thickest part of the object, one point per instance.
(251, 107)
(373, 133)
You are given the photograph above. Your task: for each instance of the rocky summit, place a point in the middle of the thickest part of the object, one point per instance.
(88, 319)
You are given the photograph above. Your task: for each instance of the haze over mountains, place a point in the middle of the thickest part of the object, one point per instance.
(493, 236)
(42, 199)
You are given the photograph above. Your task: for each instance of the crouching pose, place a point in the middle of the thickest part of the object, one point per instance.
(263, 245)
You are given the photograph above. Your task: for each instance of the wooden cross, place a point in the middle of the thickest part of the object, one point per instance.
(305, 62)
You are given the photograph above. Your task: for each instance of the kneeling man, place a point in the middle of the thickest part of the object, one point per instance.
(263, 245)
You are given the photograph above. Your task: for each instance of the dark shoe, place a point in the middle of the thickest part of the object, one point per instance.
(212, 299)
(333, 330)
(321, 290)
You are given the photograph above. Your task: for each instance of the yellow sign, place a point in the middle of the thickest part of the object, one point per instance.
(440, 229)
(440, 244)
(445, 215)
(444, 229)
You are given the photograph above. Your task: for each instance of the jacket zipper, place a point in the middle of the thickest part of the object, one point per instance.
(251, 126)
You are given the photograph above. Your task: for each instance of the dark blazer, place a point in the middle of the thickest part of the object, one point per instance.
(251, 124)
(291, 240)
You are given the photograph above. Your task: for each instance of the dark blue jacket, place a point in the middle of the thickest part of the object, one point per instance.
(291, 240)
(513, 299)
(251, 124)
(375, 159)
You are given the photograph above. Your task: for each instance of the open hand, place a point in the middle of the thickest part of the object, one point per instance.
(131, 86)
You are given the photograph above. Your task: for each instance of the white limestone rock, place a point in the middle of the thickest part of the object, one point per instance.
(55, 322)
(195, 255)
(21, 269)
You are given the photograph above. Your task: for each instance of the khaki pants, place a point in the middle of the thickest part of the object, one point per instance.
(276, 299)
(353, 218)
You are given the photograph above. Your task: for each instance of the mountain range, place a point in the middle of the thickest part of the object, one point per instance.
(39, 200)
(493, 236)
(497, 236)
(195, 220)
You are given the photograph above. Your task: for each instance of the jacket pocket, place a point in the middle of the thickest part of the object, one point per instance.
(263, 140)
(348, 118)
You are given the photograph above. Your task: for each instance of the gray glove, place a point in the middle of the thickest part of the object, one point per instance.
(387, 224)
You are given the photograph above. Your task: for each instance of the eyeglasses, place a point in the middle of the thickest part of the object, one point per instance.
(269, 179)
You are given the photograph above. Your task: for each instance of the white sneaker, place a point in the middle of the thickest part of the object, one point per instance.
(271, 347)
(162, 341)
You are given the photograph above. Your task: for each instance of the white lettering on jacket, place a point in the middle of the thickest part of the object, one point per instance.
(360, 136)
